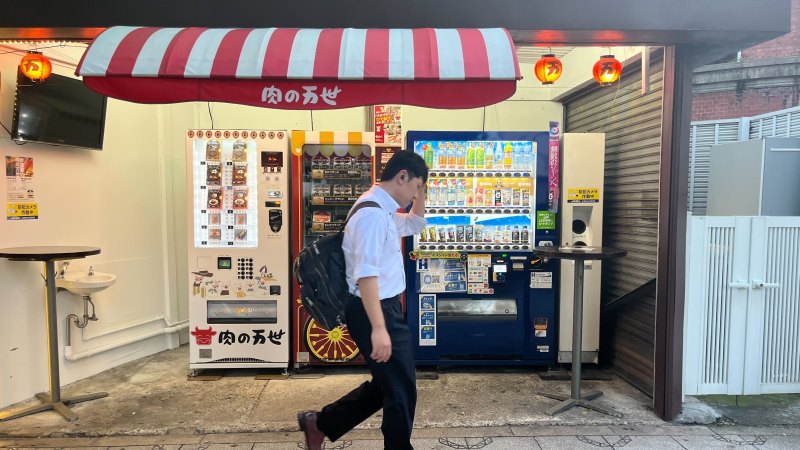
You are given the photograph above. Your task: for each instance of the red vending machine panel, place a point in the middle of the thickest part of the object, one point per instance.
(330, 170)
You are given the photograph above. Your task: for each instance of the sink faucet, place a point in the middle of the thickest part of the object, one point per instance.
(62, 269)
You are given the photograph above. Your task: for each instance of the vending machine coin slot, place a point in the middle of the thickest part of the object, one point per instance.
(275, 220)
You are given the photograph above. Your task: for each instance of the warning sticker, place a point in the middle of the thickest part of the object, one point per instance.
(583, 195)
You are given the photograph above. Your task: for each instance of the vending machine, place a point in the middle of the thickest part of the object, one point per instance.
(330, 170)
(238, 248)
(476, 294)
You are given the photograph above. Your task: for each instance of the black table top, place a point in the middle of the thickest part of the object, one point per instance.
(579, 252)
(47, 253)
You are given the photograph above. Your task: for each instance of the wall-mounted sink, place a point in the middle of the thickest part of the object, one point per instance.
(84, 283)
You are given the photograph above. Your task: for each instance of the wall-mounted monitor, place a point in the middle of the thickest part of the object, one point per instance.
(58, 111)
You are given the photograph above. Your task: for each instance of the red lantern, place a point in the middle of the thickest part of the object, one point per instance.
(35, 66)
(548, 68)
(607, 70)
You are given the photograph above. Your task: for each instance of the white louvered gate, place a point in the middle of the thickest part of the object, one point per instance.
(742, 323)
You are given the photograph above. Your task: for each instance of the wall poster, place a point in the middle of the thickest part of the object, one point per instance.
(21, 195)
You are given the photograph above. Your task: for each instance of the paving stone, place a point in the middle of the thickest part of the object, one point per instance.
(728, 441)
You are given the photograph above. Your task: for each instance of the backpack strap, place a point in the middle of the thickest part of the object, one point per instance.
(366, 204)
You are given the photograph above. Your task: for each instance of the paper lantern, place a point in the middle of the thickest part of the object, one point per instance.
(35, 66)
(607, 70)
(548, 68)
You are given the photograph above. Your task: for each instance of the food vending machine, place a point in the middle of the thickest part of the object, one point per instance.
(330, 170)
(476, 294)
(238, 248)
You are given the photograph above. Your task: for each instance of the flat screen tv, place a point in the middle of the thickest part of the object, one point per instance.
(58, 111)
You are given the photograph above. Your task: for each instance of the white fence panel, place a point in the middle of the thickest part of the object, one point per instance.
(742, 319)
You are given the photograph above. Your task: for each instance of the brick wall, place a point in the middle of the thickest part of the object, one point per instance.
(751, 102)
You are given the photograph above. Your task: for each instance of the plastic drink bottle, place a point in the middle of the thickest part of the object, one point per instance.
(442, 155)
(428, 155)
(451, 156)
(489, 155)
(470, 156)
(461, 155)
(508, 158)
(480, 161)
(498, 156)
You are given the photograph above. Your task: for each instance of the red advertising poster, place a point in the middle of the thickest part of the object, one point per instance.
(387, 125)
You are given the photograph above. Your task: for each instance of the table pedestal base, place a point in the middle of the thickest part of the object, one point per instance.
(568, 402)
(61, 407)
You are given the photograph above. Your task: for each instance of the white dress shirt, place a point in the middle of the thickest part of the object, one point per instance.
(371, 243)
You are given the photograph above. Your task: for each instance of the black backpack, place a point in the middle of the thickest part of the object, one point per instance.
(320, 272)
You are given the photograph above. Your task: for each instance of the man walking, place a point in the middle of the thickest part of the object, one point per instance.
(375, 278)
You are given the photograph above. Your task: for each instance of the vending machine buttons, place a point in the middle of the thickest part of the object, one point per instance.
(244, 268)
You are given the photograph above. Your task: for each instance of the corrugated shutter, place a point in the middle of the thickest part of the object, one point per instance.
(701, 137)
(632, 124)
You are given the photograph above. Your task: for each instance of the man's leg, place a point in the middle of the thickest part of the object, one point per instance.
(341, 416)
(397, 378)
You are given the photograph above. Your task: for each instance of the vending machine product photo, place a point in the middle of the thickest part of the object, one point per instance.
(330, 170)
(238, 248)
(475, 292)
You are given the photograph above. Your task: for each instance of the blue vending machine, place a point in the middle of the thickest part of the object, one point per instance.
(476, 294)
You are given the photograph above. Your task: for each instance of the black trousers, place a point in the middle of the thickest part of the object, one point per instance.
(393, 386)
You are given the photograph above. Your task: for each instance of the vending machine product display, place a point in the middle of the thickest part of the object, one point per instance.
(330, 170)
(476, 294)
(238, 249)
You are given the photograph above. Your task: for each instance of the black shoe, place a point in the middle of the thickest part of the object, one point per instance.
(308, 424)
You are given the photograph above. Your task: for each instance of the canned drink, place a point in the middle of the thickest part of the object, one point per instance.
(478, 236)
(451, 233)
(468, 233)
(432, 233)
(460, 233)
(442, 234)
(526, 197)
(516, 198)
(423, 235)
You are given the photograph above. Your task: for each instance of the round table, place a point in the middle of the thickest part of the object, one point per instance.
(579, 255)
(48, 255)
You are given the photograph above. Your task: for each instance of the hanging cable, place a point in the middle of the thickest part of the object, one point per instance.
(210, 115)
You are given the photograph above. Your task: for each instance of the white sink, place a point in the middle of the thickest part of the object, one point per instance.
(82, 283)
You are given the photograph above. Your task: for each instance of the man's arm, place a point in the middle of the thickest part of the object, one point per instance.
(381, 342)
(413, 222)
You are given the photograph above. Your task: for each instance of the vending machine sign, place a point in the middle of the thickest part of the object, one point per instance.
(427, 320)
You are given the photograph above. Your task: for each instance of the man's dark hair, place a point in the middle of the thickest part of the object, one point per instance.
(409, 161)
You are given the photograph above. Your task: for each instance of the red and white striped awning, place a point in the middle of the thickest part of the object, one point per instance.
(291, 68)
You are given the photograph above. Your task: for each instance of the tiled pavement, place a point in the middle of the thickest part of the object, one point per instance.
(490, 438)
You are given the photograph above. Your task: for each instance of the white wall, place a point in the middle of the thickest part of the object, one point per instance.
(128, 199)
(113, 199)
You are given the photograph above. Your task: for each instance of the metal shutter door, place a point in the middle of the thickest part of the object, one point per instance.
(632, 123)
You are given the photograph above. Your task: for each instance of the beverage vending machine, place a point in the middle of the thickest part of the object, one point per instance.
(330, 170)
(238, 248)
(476, 294)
